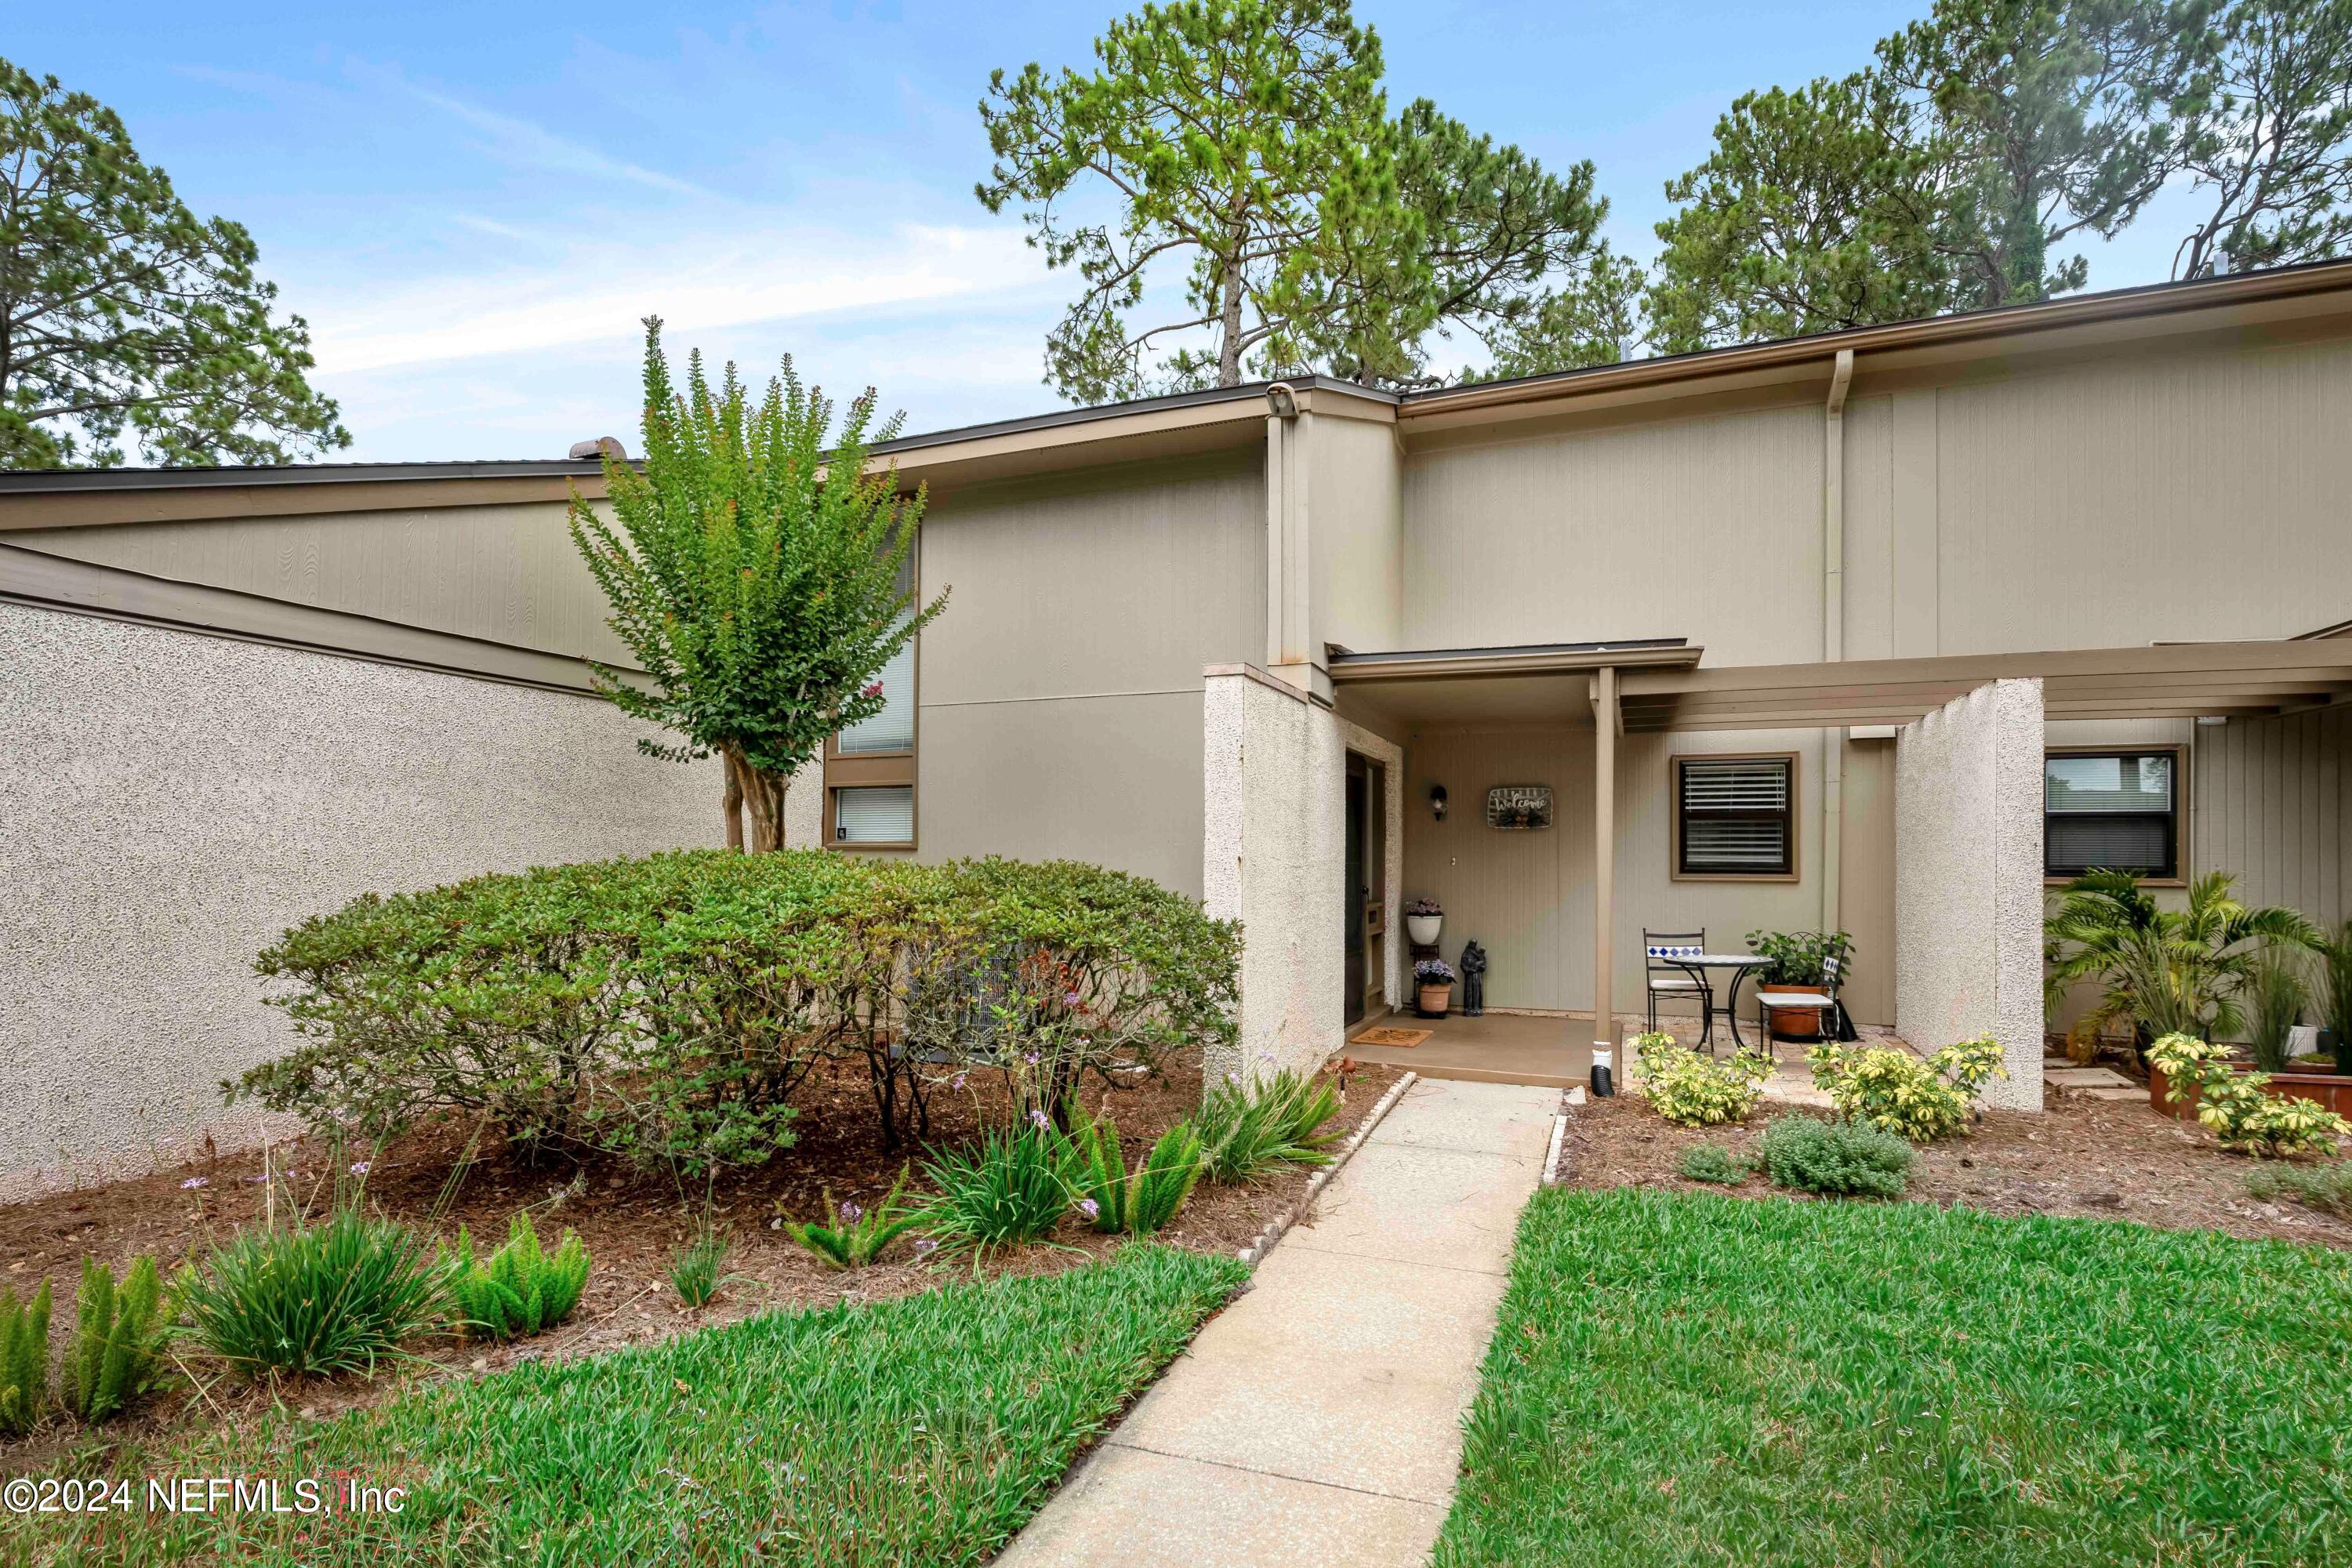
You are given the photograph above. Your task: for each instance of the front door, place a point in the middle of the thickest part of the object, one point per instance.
(1356, 892)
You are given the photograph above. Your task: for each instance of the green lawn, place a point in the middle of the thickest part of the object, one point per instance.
(1695, 1379)
(918, 1431)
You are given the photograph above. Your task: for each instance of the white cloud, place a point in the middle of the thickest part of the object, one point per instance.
(599, 290)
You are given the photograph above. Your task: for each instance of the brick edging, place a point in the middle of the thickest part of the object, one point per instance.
(1254, 1253)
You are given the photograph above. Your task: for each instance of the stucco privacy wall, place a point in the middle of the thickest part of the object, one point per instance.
(170, 802)
(1968, 881)
(1273, 829)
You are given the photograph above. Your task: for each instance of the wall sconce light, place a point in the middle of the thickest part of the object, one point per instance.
(1437, 802)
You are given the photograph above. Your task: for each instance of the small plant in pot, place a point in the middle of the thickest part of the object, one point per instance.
(1433, 987)
(1422, 920)
(1797, 960)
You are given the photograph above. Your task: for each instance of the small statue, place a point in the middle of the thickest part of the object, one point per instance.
(1473, 980)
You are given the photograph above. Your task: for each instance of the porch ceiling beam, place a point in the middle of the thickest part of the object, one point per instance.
(2290, 662)
(1485, 663)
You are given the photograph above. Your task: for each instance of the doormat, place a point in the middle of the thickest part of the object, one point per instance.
(1390, 1037)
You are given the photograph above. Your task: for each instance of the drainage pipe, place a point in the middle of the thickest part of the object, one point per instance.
(1833, 630)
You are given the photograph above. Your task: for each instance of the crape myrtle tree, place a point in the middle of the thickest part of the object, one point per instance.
(1246, 145)
(121, 311)
(757, 576)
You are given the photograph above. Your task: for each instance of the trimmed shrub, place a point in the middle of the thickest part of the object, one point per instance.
(314, 1299)
(120, 1333)
(1842, 1158)
(1694, 1090)
(519, 1289)
(668, 1008)
(24, 1359)
(2234, 1105)
(1893, 1090)
(1250, 1129)
(1713, 1162)
(854, 1236)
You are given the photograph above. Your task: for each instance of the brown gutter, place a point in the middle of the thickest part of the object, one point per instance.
(1762, 361)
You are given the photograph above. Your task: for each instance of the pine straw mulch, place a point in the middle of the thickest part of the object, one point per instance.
(632, 1222)
(2083, 1158)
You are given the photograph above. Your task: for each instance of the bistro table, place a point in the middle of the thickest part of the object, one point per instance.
(1739, 963)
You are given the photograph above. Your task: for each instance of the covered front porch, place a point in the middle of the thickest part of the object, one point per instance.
(1914, 820)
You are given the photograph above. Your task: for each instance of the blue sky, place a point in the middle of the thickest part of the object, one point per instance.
(473, 205)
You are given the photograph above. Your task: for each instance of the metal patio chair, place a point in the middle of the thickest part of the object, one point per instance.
(1824, 997)
(1664, 953)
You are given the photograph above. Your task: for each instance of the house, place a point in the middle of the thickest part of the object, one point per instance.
(1803, 634)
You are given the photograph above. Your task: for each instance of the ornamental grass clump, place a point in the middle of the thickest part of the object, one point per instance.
(2327, 1188)
(315, 1299)
(697, 1270)
(1900, 1093)
(1137, 1202)
(120, 1336)
(1252, 1128)
(1012, 1187)
(1694, 1090)
(2247, 1119)
(24, 1359)
(852, 1237)
(1837, 1158)
(519, 1289)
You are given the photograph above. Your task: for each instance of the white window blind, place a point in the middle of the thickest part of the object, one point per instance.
(893, 728)
(2115, 809)
(877, 814)
(1735, 816)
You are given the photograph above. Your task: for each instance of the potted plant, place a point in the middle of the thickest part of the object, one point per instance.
(1433, 983)
(1796, 961)
(1422, 920)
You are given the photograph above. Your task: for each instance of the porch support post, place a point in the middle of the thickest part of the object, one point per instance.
(1605, 721)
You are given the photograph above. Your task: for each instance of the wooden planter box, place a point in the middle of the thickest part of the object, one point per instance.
(2329, 1091)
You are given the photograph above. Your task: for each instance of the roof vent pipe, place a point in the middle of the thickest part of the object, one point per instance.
(602, 447)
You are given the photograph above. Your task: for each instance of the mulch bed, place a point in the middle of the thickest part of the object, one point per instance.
(2088, 1159)
(631, 1220)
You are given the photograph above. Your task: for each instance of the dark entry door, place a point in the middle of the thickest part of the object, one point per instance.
(1355, 889)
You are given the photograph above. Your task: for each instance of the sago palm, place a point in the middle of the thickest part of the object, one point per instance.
(2167, 970)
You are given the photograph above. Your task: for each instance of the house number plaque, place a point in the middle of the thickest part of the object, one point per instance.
(1517, 808)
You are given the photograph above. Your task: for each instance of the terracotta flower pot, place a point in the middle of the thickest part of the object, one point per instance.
(1434, 999)
(1791, 1022)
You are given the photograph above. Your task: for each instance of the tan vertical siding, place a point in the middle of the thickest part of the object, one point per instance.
(2271, 797)
(1707, 528)
(505, 572)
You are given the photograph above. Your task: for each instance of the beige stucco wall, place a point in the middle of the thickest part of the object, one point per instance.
(169, 803)
(1968, 881)
(1059, 696)
(507, 572)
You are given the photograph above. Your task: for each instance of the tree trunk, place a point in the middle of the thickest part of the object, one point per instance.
(731, 804)
(763, 795)
(1229, 350)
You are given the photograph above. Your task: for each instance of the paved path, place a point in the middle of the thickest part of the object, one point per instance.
(1318, 1418)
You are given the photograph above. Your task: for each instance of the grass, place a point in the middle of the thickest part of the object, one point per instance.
(1693, 1378)
(921, 1430)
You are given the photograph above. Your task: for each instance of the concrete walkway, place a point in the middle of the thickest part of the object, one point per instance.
(1318, 1418)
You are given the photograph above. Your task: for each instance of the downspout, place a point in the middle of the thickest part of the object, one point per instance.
(1833, 631)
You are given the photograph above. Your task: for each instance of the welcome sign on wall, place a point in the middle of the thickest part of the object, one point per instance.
(1515, 808)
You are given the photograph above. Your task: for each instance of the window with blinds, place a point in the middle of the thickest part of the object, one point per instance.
(2120, 810)
(878, 813)
(1736, 817)
(869, 767)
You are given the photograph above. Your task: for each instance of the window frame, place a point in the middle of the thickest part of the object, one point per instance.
(862, 770)
(2178, 753)
(1793, 813)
